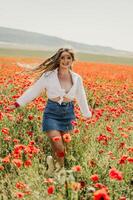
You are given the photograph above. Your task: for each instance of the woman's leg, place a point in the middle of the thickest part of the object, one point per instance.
(57, 146)
(65, 144)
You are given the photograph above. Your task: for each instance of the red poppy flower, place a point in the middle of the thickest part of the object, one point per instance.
(77, 168)
(115, 174)
(56, 138)
(19, 195)
(51, 189)
(67, 137)
(17, 162)
(101, 194)
(94, 177)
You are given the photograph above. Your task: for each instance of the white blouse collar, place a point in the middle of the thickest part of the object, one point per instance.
(73, 79)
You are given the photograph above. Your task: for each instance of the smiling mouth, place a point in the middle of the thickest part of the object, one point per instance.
(65, 64)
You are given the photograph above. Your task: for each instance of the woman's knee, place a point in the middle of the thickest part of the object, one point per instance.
(53, 133)
(56, 139)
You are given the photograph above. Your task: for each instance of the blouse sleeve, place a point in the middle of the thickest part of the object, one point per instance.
(32, 92)
(82, 99)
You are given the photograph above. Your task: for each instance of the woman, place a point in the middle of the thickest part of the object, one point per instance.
(62, 86)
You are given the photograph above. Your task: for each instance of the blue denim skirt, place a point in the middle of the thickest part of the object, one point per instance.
(58, 117)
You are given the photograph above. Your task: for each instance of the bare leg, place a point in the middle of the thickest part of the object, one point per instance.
(65, 144)
(58, 149)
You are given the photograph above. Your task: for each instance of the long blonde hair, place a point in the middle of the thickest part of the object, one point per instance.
(49, 64)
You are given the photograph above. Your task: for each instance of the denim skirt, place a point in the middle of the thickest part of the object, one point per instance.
(58, 117)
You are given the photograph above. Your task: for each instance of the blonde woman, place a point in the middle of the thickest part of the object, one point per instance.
(62, 85)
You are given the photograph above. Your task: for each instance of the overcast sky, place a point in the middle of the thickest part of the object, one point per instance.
(95, 22)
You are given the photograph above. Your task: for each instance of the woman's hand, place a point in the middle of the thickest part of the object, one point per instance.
(13, 106)
(86, 118)
(89, 117)
(10, 108)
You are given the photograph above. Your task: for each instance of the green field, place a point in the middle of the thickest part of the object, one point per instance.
(79, 56)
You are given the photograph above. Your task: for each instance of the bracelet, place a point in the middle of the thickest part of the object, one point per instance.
(16, 104)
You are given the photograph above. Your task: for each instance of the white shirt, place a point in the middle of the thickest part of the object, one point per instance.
(49, 81)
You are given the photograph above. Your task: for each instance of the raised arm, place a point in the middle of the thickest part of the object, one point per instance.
(32, 92)
(82, 99)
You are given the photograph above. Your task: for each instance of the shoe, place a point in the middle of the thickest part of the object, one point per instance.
(57, 166)
(50, 164)
(60, 173)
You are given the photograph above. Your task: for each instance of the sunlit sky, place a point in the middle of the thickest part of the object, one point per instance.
(94, 22)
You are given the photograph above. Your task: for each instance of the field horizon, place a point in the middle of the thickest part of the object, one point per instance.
(5, 52)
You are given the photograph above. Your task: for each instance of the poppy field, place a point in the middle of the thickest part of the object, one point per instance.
(99, 159)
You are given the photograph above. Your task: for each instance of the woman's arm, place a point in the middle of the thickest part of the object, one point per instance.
(82, 99)
(32, 92)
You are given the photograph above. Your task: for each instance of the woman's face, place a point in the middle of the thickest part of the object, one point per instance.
(65, 60)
